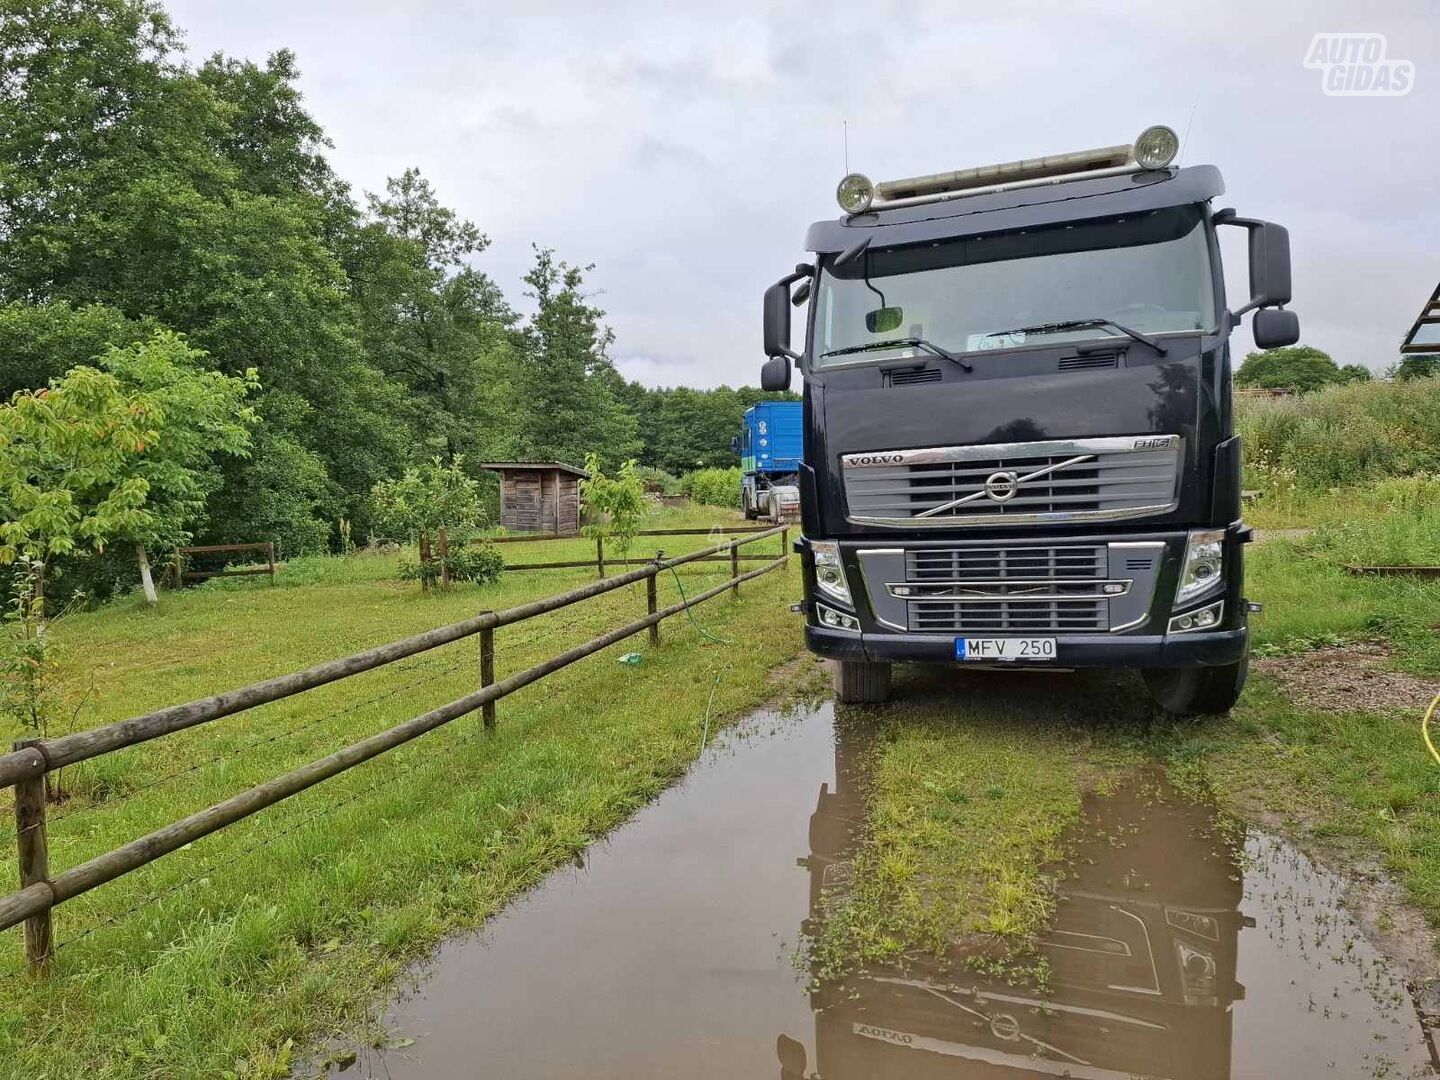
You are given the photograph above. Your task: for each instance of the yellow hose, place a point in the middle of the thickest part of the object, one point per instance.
(1425, 729)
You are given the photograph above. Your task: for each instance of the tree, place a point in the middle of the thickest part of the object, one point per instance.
(567, 384)
(1294, 367)
(1418, 366)
(1353, 373)
(119, 451)
(436, 498)
(617, 503)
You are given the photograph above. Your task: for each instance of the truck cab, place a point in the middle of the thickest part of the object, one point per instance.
(1019, 446)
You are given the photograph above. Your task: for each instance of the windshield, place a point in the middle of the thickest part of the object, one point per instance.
(1150, 273)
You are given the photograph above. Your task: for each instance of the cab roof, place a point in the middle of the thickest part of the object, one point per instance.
(1019, 208)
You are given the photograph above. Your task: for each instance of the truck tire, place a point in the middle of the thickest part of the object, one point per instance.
(1198, 691)
(750, 512)
(860, 682)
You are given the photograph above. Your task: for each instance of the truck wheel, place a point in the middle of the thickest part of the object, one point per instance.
(1207, 691)
(860, 682)
(750, 512)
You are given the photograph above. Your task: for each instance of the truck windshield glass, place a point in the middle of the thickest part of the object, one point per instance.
(1150, 273)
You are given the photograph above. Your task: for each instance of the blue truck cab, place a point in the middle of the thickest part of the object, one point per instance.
(771, 448)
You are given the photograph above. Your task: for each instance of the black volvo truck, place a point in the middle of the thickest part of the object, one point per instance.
(1019, 441)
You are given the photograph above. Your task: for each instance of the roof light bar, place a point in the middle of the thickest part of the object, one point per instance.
(1155, 148)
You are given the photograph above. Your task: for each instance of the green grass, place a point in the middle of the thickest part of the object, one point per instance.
(970, 792)
(221, 958)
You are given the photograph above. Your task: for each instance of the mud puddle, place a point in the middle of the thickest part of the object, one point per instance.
(1177, 952)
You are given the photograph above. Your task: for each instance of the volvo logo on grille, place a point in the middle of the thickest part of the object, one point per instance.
(1002, 486)
(875, 459)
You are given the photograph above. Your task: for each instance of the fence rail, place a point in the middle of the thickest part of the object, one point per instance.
(179, 575)
(25, 767)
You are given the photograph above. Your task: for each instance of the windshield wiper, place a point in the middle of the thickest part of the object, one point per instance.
(897, 343)
(1082, 324)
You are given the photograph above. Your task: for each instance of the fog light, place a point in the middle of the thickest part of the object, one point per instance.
(837, 619)
(901, 590)
(1113, 588)
(1209, 615)
(855, 193)
(1156, 147)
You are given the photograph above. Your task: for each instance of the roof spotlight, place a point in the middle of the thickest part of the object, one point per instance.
(855, 193)
(1156, 147)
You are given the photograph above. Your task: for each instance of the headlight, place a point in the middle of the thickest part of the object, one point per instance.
(1204, 563)
(1197, 974)
(1156, 147)
(829, 574)
(855, 193)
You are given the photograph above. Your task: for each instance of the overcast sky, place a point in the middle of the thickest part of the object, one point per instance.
(684, 155)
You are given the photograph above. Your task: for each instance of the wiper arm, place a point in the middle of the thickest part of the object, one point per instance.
(896, 343)
(1083, 324)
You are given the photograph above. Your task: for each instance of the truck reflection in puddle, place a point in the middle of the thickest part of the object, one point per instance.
(1142, 957)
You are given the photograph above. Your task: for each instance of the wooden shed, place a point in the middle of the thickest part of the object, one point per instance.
(539, 496)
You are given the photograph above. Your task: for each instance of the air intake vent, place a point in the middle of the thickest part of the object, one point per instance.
(1135, 566)
(911, 376)
(1090, 362)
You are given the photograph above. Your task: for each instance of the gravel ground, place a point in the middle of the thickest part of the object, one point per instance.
(1353, 677)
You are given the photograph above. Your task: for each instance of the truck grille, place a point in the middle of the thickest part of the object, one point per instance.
(994, 589)
(999, 564)
(1021, 616)
(1014, 483)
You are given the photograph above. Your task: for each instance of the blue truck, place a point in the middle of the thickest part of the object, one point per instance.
(771, 449)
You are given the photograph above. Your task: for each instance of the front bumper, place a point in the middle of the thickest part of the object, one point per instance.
(1195, 649)
(1134, 635)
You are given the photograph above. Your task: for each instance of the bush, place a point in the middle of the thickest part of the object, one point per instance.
(713, 487)
(1342, 435)
(658, 480)
(481, 564)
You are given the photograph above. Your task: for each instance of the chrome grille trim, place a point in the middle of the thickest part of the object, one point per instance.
(1059, 480)
(1012, 588)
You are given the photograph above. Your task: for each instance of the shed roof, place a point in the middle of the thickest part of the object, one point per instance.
(560, 466)
(1424, 336)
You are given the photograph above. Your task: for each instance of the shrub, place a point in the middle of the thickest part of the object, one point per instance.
(481, 564)
(1342, 435)
(713, 487)
(654, 479)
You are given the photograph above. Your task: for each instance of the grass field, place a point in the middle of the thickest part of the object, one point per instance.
(221, 958)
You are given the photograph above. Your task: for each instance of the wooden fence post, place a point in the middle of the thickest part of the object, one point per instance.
(785, 547)
(34, 857)
(734, 568)
(651, 605)
(487, 671)
(177, 570)
(600, 554)
(270, 556)
(424, 561)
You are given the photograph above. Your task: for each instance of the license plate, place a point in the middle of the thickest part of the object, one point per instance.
(1005, 648)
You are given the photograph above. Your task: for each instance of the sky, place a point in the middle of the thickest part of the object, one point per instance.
(683, 149)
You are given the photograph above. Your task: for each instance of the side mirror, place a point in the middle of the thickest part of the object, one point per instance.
(775, 374)
(777, 321)
(801, 294)
(1273, 327)
(734, 444)
(1269, 260)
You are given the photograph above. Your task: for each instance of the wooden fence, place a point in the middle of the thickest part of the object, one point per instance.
(179, 575)
(599, 562)
(26, 766)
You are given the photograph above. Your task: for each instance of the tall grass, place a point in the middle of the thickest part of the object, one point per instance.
(1341, 435)
(713, 487)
